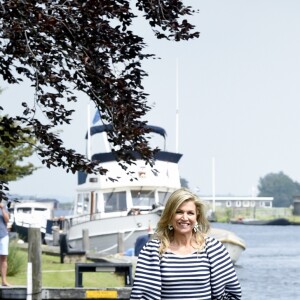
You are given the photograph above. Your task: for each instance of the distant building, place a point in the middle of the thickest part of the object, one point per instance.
(296, 206)
(239, 202)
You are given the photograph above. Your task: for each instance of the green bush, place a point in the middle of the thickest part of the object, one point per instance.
(15, 260)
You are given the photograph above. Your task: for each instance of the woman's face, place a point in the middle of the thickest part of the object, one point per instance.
(185, 218)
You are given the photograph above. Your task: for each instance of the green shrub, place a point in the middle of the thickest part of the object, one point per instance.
(15, 260)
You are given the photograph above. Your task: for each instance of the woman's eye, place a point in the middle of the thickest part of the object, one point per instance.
(190, 213)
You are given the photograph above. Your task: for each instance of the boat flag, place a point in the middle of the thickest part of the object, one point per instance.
(96, 116)
(96, 119)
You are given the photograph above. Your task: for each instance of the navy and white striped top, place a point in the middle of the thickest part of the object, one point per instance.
(206, 274)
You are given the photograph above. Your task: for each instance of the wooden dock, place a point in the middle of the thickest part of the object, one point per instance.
(20, 292)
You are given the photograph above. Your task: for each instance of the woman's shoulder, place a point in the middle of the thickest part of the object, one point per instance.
(150, 250)
(215, 249)
(212, 243)
(210, 239)
(153, 244)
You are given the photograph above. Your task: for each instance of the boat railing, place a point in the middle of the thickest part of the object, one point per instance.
(76, 220)
(80, 219)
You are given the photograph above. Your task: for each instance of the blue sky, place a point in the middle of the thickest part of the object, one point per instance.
(238, 91)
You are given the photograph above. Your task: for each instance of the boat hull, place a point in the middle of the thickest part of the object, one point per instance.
(22, 232)
(111, 235)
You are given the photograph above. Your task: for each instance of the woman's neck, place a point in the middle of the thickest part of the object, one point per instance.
(182, 244)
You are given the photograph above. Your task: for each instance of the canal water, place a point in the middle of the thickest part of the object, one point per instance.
(270, 266)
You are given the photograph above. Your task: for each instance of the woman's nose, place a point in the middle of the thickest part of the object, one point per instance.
(184, 216)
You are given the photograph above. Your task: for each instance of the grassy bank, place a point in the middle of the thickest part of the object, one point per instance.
(55, 274)
(225, 214)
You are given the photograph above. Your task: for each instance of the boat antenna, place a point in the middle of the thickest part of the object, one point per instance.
(89, 147)
(213, 186)
(177, 106)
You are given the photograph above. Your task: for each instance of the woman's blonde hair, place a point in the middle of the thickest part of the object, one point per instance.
(175, 200)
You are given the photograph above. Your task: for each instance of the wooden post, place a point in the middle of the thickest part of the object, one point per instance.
(85, 240)
(55, 234)
(35, 258)
(121, 242)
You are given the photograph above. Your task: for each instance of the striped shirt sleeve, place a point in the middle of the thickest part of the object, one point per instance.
(224, 282)
(147, 281)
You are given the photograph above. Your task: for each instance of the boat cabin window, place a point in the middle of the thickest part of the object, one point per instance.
(143, 198)
(82, 203)
(115, 202)
(86, 199)
(40, 209)
(24, 210)
(163, 197)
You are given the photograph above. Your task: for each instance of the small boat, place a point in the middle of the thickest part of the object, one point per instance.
(30, 214)
(234, 244)
(278, 221)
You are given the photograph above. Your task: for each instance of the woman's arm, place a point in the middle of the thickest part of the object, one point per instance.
(5, 213)
(224, 282)
(147, 280)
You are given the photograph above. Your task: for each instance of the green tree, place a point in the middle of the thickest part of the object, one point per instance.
(12, 158)
(88, 46)
(279, 186)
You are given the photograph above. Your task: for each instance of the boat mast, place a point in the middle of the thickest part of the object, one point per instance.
(89, 150)
(177, 107)
(213, 186)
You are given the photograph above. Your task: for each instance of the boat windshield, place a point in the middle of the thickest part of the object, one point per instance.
(40, 209)
(24, 210)
(163, 197)
(82, 203)
(143, 198)
(115, 201)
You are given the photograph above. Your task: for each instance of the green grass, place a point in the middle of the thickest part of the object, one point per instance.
(55, 274)
(225, 214)
(15, 260)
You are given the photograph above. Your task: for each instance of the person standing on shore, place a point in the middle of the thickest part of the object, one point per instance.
(4, 241)
(182, 261)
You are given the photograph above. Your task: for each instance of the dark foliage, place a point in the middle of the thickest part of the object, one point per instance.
(89, 46)
(3, 186)
(281, 187)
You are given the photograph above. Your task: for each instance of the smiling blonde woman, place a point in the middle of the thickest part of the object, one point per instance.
(182, 262)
